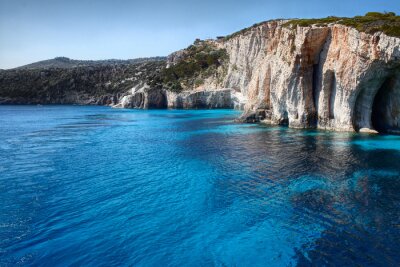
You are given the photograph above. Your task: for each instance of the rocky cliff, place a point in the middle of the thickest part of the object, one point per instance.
(314, 76)
(333, 73)
(329, 75)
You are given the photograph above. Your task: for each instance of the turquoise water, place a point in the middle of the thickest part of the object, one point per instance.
(105, 187)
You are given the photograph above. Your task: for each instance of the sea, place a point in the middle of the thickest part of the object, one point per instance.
(96, 186)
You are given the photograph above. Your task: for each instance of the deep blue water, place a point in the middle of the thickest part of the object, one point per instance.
(105, 187)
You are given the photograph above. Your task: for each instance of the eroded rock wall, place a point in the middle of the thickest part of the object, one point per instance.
(325, 77)
(146, 97)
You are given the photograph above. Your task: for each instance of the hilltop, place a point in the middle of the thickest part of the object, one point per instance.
(67, 63)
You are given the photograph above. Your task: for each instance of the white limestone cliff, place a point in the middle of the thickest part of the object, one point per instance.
(325, 77)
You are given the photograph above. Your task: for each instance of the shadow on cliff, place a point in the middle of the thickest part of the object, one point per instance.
(376, 106)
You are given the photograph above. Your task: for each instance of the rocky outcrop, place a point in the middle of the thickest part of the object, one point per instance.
(143, 97)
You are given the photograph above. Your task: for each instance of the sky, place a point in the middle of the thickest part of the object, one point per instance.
(33, 30)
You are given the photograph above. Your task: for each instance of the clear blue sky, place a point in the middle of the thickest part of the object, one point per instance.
(33, 30)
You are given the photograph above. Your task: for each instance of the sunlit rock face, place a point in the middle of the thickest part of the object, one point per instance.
(326, 77)
(143, 97)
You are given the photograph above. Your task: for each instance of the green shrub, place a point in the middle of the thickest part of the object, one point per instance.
(198, 82)
(175, 87)
(372, 22)
(242, 31)
(380, 15)
(198, 61)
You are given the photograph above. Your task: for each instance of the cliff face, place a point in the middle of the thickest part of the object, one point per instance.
(330, 77)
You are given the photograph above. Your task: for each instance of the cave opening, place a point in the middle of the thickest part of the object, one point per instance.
(383, 115)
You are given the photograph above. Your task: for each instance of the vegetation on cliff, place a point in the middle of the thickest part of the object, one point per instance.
(54, 80)
(197, 62)
(48, 85)
(243, 31)
(66, 63)
(388, 23)
(372, 22)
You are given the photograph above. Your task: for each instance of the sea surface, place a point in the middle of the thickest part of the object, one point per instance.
(97, 186)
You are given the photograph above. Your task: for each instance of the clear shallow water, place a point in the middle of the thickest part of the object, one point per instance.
(99, 186)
